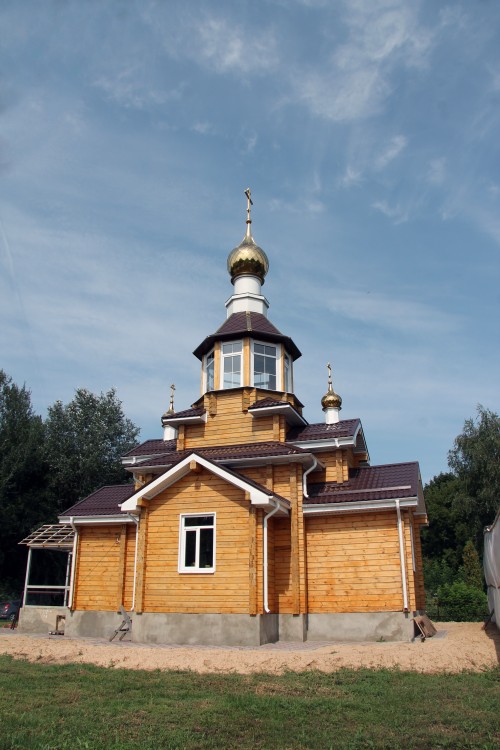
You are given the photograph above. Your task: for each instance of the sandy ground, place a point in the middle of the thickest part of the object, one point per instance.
(457, 647)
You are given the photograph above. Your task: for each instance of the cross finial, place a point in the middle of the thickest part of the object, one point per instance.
(171, 407)
(249, 203)
(330, 384)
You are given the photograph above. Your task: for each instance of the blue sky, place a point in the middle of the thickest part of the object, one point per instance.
(368, 131)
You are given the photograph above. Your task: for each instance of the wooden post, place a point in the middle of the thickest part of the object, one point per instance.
(141, 561)
(252, 558)
(121, 566)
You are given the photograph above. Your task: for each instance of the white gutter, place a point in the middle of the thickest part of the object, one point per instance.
(304, 476)
(73, 564)
(136, 521)
(264, 556)
(402, 556)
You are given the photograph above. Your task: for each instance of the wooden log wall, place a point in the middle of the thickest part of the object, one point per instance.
(226, 590)
(97, 575)
(353, 563)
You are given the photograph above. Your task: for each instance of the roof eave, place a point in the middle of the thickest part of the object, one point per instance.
(319, 509)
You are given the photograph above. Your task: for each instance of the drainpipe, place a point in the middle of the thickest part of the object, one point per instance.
(402, 557)
(136, 521)
(264, 561)
(73, 564)
(305, 474)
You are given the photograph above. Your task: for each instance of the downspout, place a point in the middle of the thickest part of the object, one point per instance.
(136, 521)
(402, 557)
(73, 564)
(304, 476)
(264, 556)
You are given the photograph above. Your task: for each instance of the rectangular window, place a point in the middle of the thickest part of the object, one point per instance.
(264, 366)
(197, 544)
(210, 371)
(231, 367)
(288, 374)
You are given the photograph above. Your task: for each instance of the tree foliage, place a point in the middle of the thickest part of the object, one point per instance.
(45, 467)
(475, 460)
(24, 502)
(85, 441)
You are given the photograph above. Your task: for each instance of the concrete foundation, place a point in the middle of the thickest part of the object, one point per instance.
(293, 628)
(92, 624)
(360, 626)
(224, 630)
(40, 619)
(205, 629)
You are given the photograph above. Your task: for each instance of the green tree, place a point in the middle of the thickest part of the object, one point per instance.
(475, 461)
(472, 570)
(24, 500)
(445, 537)
(85, 440)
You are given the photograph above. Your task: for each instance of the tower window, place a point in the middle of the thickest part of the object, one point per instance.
(210, 371)
(264, 366)
(231, 368)
(288, 373)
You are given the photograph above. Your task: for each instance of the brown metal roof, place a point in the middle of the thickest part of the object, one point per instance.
(386, 482)
(251, 324)
(266, 402)
(323, 431)
(103, 502)
(150, 447)
(220, 454)
(193, 412)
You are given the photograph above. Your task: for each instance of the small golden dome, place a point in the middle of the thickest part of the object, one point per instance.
(331, 400)
(248, 258)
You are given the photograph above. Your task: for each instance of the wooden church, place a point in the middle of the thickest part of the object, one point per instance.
(245, 524)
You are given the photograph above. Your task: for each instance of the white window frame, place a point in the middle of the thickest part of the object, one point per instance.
(205, 370)
(222, 359)
(279, 355)
(286, 357)
(182, 568)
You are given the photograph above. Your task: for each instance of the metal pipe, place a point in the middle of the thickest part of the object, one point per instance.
(304, 476)
(402, 556)
(136, 521)
(264, 556)
(73, 563)
(28, 568)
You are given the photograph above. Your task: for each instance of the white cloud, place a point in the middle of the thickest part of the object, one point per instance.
(436, 172)
(395, 146)
(397, 213)
(356, 82)
(131, 88)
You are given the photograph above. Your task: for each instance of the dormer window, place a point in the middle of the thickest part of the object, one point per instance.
(231, 364)
(264, 366)
(210, 371)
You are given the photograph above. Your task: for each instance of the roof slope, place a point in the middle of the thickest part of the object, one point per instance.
(103, 502)
(323, 431)
(243, 324)
(386, 482)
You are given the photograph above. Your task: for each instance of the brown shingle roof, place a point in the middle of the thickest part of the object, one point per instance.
(243, 324)
(103, 502)
(265, 402)
(196, 411)
(368, 483)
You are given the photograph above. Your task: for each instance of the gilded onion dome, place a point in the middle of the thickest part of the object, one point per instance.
(331, 400)
(248, 257)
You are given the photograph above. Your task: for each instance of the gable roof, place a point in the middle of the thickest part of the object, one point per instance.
(370, 484)
(243, 324)
(259, 495)
(150, 447)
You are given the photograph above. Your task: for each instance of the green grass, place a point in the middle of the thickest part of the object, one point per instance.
(69, 707)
